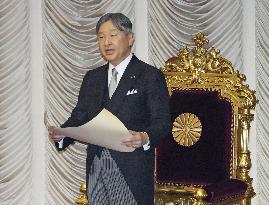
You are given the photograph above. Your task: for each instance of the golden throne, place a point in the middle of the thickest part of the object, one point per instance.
(206, 159)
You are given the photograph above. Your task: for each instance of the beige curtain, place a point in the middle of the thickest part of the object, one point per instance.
(172, 23)
(15, 103)
(70, 50)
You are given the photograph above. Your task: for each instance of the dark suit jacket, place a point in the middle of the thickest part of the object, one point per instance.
(147, 110)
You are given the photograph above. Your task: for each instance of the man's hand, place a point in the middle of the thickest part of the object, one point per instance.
(54, 137)
(136, 139)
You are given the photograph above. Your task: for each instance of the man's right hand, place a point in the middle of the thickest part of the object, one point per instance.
(54, 137)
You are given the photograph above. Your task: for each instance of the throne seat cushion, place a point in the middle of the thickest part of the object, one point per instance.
(225, 190)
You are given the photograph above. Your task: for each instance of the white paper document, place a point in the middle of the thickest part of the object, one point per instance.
(105, 130)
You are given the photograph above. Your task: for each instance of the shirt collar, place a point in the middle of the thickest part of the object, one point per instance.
(120, 68)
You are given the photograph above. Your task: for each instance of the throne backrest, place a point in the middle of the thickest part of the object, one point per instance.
(210, 111)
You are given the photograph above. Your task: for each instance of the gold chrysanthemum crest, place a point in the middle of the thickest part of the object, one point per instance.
(187, 129)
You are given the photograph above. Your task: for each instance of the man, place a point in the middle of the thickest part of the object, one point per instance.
(137, 94)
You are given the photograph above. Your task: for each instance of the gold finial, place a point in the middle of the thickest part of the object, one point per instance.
(82, 198)
(200, 39)
(200, 195)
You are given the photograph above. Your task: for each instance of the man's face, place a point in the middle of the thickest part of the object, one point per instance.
(114, 45)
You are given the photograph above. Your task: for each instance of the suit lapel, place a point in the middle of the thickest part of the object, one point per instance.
(128, 79)
(101, 85)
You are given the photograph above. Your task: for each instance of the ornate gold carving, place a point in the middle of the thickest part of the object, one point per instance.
(82, 198)
(243, 172)
(163, 199)
(187, 129)
(208, 69)
(178, 195)
(200, 195)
